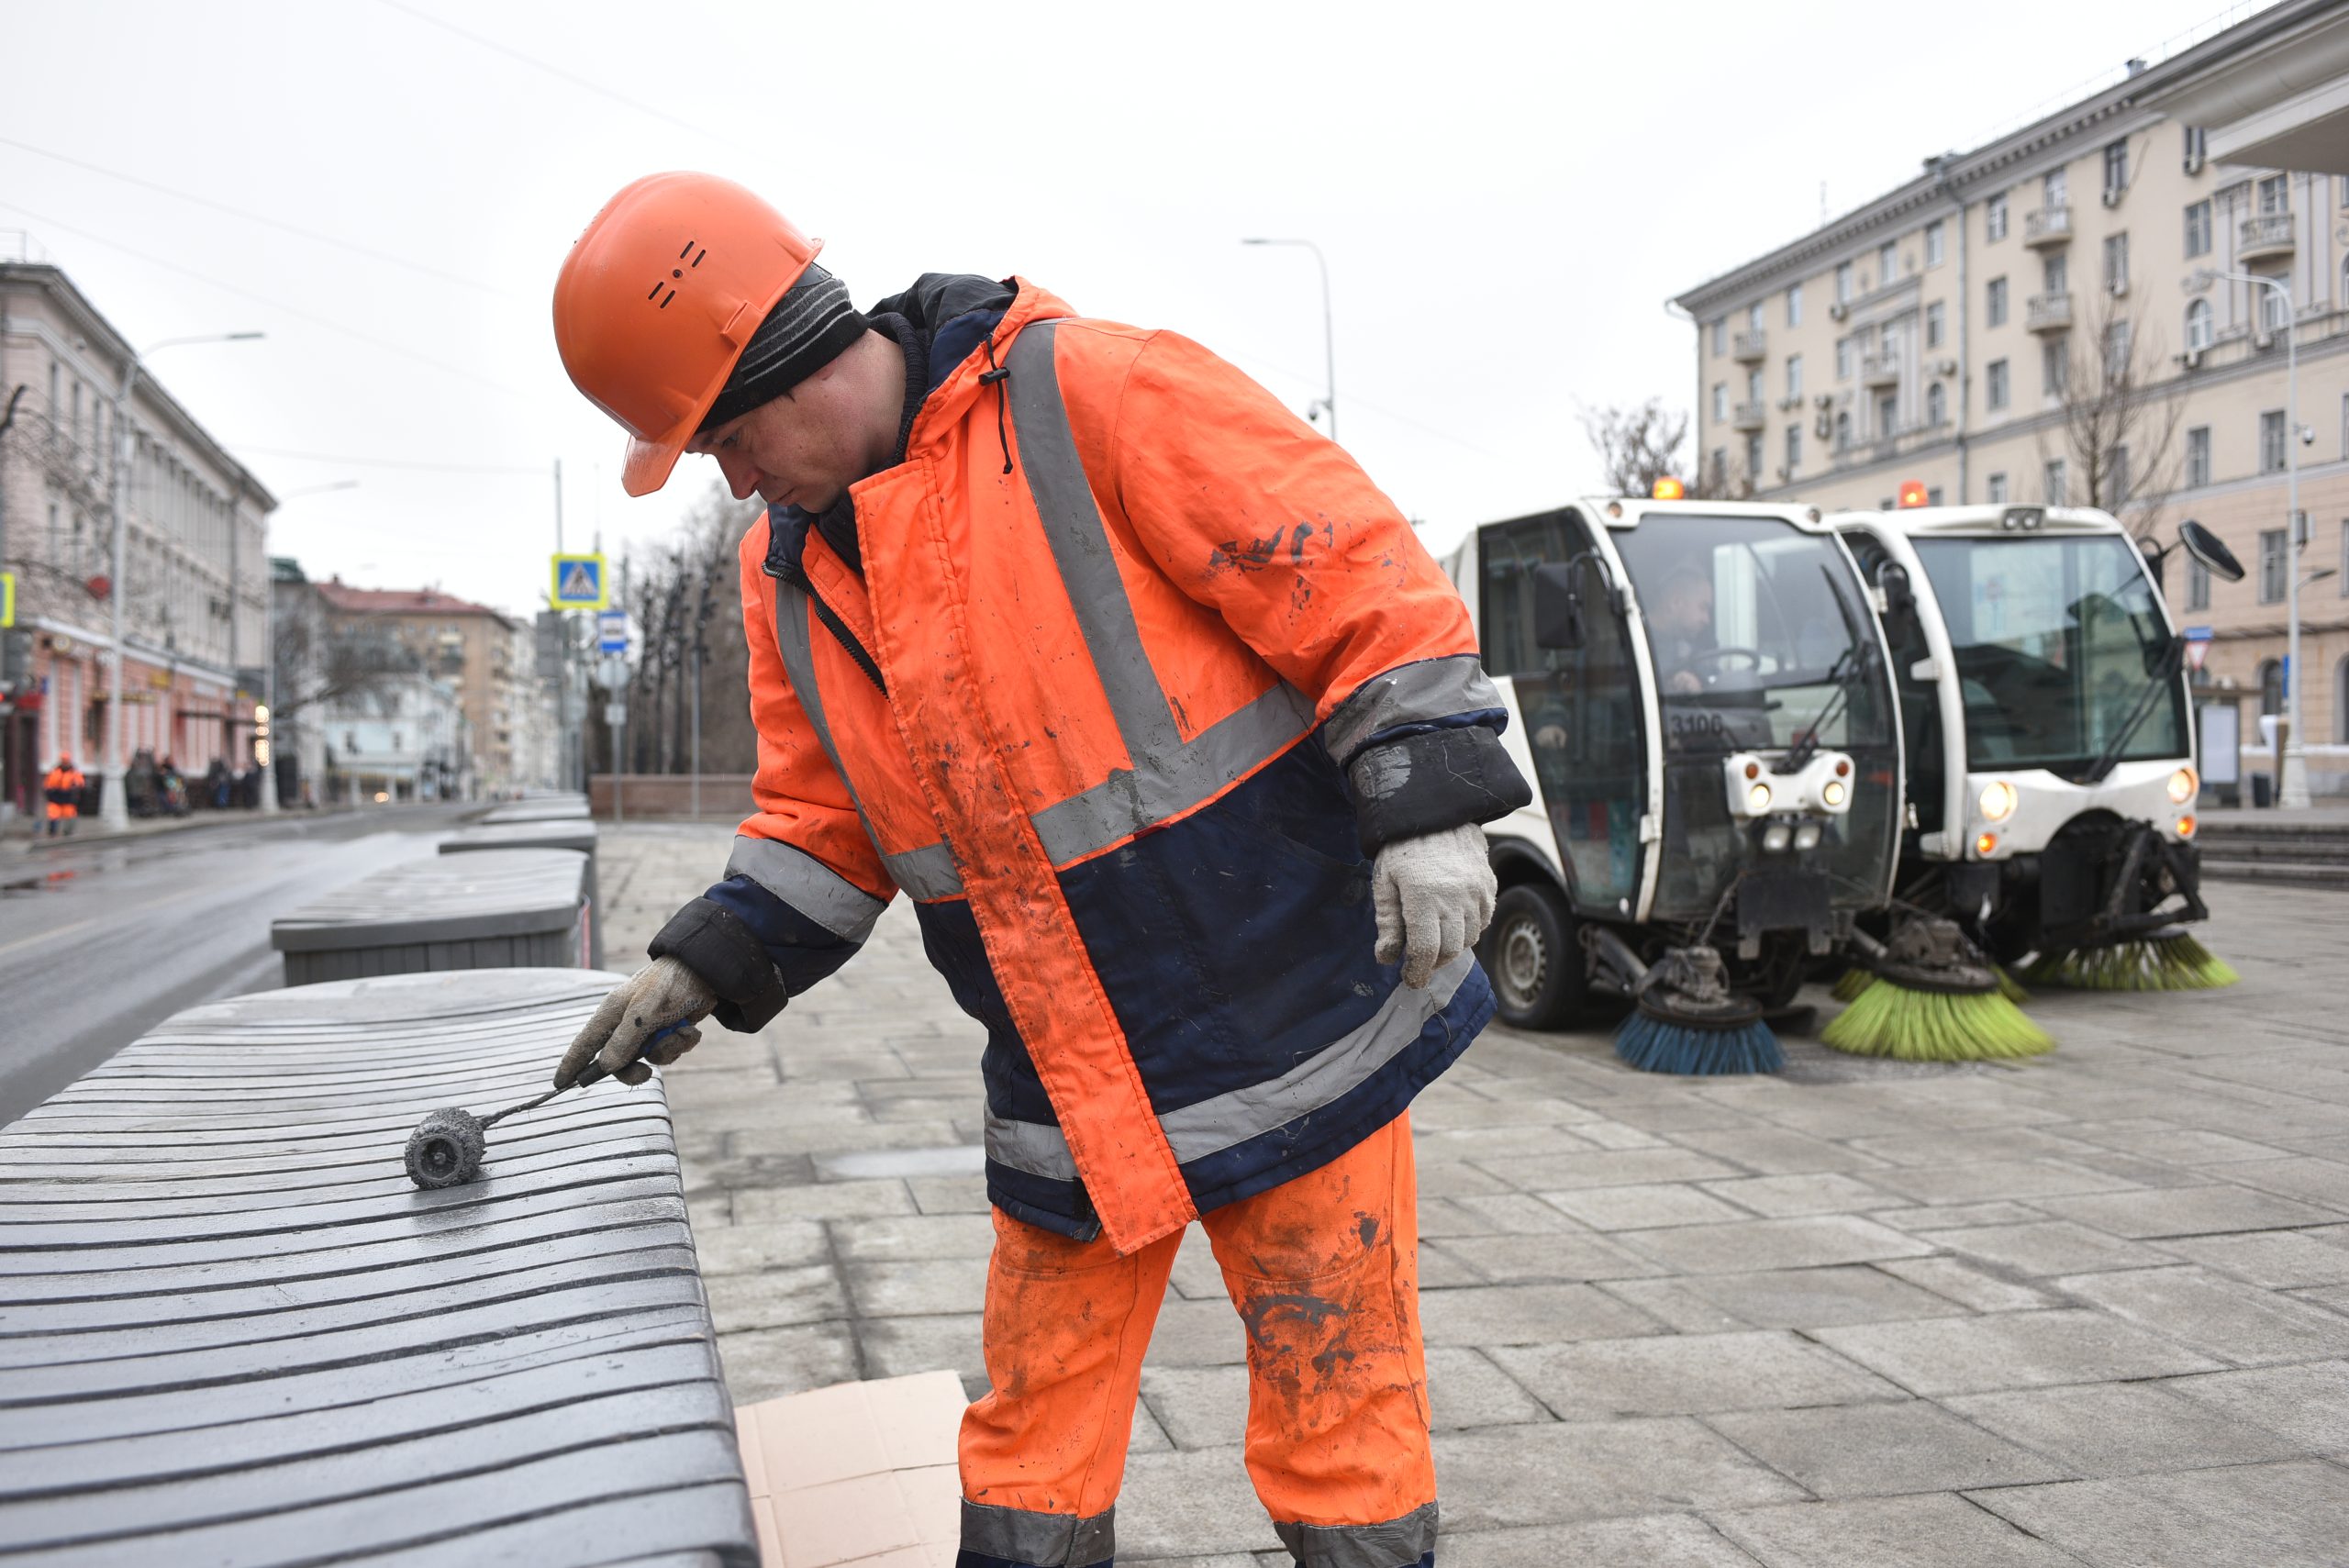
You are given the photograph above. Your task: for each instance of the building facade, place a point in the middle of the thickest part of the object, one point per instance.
(198, 590)
(2060, 317)
(489, 658)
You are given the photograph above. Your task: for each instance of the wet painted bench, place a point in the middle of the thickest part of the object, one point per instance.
(231, 1332)
(494, 909)
(574, 833)
(567, 808)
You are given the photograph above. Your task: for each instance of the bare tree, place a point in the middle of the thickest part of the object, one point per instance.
(1641, 444)
(2118, 430)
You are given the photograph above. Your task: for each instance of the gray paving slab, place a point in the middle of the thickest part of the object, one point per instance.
(1778, 1151)
(775, 1299)
(1968, 1284)
(1935, 1530)
(767, 1363)
(1929, 1217)
(1525, 1314)
(1986, 1181)
(2187, 1211)
(2122, 1429)
(2277, 1516)
(2011, 1350)
(2050, 1247)
(2223, 1318)
(1643, 1207)
(1856, 1451)
(1687, 1373)
(1564, 1256)
(2308, 1404)
(1653, 1540)
(1609, 1168)
(2272, 1260)
(1787, 1197)
(1497, 1477)
(1810, 1242)
(1812, 1298)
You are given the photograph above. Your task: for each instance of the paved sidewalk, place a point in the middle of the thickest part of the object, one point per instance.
(2094, 1309)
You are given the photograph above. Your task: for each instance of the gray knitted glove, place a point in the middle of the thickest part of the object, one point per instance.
(650, 1015)
(1433, 895)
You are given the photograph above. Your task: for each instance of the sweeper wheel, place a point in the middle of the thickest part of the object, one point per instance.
(1537, 966)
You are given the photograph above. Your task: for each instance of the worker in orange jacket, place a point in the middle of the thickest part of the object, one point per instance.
(61, 788)
(1178, 738)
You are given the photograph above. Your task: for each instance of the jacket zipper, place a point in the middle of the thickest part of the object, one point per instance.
(789, 571)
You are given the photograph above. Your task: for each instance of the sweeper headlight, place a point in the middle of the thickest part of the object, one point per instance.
(1999, 801)
(1834, 792)
(1777, 836)
(1757, 799)
(2182, 786)
(1807, 836)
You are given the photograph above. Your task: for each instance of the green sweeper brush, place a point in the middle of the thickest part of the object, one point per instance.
(1858, 978)
(2168, 961)
(1931, 995)
(1684, 1018)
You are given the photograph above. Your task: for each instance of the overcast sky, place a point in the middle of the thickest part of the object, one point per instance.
(1507, 194)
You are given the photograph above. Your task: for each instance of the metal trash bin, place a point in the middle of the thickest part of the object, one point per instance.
(496, 909)
(237, 1333)
(556, 833)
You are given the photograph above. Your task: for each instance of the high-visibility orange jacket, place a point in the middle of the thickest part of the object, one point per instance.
(61, 788)
(1121, 672)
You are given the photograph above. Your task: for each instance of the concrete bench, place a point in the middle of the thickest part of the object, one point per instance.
(231, 1331)
(495, 909)
(556, 833)
(539, 811)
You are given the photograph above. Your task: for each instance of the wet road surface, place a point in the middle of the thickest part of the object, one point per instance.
(101, 941)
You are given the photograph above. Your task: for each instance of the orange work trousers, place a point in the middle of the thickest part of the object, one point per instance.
(1323, 1271)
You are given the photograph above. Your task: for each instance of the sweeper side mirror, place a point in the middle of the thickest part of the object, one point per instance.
(1899, 595)
(2205, 547)
(1557, 606)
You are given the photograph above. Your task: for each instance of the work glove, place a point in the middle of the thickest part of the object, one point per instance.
(1433, 895)
(648, 1017)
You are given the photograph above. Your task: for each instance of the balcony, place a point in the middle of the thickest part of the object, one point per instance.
(2263, 238)
(1750, 347)
(2049, 312)
(1880, 370)
(2047, 226)
(1750, 416)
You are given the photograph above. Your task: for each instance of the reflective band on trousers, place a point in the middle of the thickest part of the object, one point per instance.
(1397, 1544)
(1195, 1131)
(1167, 775)
(807, 885)
(1047, 1540)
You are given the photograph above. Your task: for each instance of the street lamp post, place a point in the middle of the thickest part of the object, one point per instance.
(2292, 787)
(1328, 330)
(114, 800)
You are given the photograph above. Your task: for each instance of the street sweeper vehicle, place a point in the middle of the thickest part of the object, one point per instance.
(2051, 760)
(1703, 695)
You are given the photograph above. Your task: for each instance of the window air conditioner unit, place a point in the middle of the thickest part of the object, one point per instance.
(1944, 367)
(2191, 359)
(1837, 310)
(2118, 289)
(2263, 339)
(2194, 161)
(1824, 400)
(2112, 194)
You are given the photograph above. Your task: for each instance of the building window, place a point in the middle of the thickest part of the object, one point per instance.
(2272, 307)
(1936, 404)
(2053, 490)
(1888, 264)
(1754, 384)
(2271, 566)
(1933, 496)
(1720, 403)
(2199, 329)
(1720, 468)
(1998, 490)
(2275, 194)
(2053, 190)
(1843, 282)
(2056, 364)
(1994, 218)
(1794, 305)
(1933, 243)
(1754, 456)
(1888, 415)
(1842, 359)
(2055, 273)
(2271, 441)
(1934, 314)
(1753, 316)
(1720, 336)
(2197, 585)
(1995, 384)
(1794, 449)
(2116, 263)
(1843, 430)
(2271, 688)
(1995, 303)
(2340, 574)
(1794, 375)
(2116, 352)
(2198, 149)
(2116, 168)
(2197, 229)
(2198, 457)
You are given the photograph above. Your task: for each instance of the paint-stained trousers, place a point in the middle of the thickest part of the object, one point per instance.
(1324, 1273)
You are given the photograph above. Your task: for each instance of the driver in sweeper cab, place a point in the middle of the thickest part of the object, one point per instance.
(1681, 628)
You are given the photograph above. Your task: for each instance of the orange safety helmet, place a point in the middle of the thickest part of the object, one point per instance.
(657, 300)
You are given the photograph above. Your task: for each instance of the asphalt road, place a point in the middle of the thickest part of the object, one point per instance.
(99, 941)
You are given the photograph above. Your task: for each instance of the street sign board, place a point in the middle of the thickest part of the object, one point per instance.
(611, 674)
(7, 598)
(611, 631)
(580, 582)
(614, 714)
(2198, 645)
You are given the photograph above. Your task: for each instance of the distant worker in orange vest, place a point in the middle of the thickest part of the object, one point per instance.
(62, 789)
(1178, 738)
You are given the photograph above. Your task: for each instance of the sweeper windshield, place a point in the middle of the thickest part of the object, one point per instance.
(2057, 638)
(1762, 642)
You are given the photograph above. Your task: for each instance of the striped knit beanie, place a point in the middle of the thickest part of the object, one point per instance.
(810, 326)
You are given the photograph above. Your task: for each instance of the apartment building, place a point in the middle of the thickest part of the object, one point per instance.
(196, 603)
(488, 657)
(2061, 315)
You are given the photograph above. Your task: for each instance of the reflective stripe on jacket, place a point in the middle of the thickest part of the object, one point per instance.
(1091, 702)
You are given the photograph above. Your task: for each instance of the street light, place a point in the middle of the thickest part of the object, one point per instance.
(114, 801)
(2292, 788)
(1328, 333)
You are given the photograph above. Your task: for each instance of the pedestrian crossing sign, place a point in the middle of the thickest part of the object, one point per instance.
(579, 583)
(7, 598)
